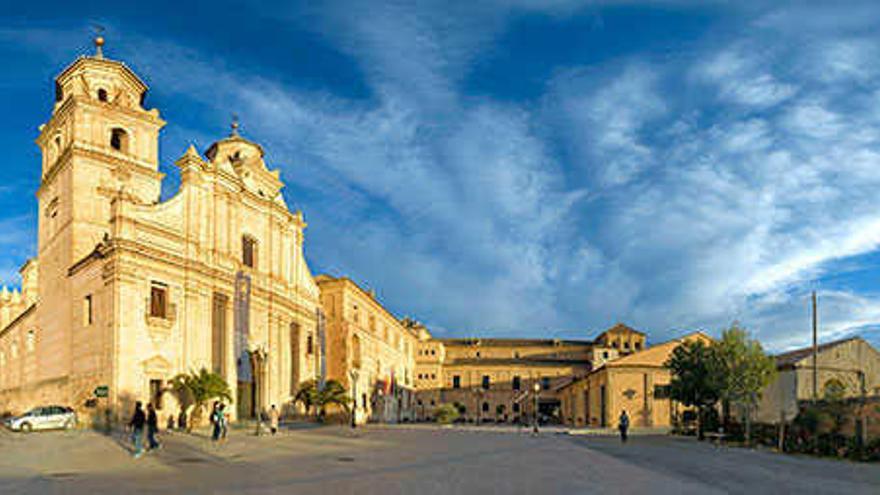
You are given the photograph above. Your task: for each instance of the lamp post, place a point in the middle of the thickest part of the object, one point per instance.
(354, 403)
(537, 389)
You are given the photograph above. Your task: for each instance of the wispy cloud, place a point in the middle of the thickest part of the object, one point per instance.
(669, 192)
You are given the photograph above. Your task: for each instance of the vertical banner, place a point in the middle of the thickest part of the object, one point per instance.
(242, 326)
(322, 350)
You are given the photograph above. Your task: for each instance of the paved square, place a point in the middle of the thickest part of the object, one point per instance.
(420, 461)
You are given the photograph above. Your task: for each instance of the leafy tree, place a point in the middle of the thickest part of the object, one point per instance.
(311, 397)
(696, 370)
(196, 389)
(334, 393)
(446, 413)
(744, 373)
(307, 394)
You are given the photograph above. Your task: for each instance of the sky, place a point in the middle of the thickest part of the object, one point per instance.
(519, 168)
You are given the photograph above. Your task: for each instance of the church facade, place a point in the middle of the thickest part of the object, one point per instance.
(126, 291)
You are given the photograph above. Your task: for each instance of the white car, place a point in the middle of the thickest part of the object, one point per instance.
(43, 418)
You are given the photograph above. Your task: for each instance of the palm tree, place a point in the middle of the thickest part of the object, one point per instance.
(197, 389)
(307, 394)
(333, 393)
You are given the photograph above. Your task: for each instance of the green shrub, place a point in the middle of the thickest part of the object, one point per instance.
(446, 414)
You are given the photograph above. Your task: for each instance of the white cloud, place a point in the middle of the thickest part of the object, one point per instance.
(722, 183)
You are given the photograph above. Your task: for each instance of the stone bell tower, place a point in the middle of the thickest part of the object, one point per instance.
(98, 143)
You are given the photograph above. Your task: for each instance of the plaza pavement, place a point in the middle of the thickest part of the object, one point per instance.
(423, 460)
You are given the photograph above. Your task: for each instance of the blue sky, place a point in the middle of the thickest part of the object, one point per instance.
(520, 168)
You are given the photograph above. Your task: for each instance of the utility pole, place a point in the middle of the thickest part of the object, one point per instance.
(815, 350)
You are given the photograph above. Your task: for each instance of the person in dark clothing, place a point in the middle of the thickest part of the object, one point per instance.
(138, 420)
(216, 421)
(623, 425)
(152, 426)
(181, 420)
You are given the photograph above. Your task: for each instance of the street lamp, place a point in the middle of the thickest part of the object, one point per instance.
(354, 403)
(537, 388)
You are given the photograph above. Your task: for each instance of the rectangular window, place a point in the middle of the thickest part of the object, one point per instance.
(517, 383)
(516, 407)
(662, 391)
(310, 342)
(486, 382)
(159, 300)
(456, 381)
(248, 247)
(545, 383)
(88, 315)
(156, 393)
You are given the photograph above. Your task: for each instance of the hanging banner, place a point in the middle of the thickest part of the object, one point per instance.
(322, 350)
(242, 326)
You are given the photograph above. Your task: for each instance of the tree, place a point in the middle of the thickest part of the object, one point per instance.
(745, 371)
(334, 393)
(696, 369)
(499, 412)
(310, 396)
(446, 413)
(307, 395)
(197, 389)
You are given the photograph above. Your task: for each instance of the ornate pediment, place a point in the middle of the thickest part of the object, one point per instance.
(157, 365)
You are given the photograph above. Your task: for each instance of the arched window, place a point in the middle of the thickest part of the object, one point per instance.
(119, 139)
(102, 94)
(834, 390)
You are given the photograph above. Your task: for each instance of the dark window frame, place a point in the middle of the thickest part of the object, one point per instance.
(159, 300)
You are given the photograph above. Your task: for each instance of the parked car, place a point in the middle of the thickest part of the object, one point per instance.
(43, 418)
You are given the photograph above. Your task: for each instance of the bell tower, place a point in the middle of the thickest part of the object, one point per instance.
(99, 142)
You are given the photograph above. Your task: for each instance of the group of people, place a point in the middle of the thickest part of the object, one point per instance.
(148, 421)
(141, 421)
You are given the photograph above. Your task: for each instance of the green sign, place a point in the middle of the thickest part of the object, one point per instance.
(102, 391)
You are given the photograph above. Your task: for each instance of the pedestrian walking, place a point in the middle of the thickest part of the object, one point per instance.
(274, 416)
(623, 425)
(224, 422)
(181, 420)
(152, 426)
(138, 420)
(215, 421)
(170, 424)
